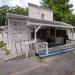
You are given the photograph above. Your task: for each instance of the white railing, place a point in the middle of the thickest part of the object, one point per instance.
(41, 46)
(24, 46)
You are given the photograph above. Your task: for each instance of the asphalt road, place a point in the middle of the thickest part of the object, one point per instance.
(12, 66)
(58, 65)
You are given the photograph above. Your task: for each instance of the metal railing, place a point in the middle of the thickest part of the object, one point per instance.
(42, 46)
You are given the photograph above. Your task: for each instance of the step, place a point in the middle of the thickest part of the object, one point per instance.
(56, 53)
(44, 52)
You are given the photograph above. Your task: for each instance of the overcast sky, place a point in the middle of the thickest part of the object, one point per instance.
(23, 3)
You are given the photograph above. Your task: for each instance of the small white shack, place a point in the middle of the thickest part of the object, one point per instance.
(38, 26)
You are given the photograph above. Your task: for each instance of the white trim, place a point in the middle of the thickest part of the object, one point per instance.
(38, 28)
(50, 25)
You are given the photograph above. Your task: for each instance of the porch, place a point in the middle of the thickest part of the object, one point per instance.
(41, 49)
(52, 39)
(47, 40)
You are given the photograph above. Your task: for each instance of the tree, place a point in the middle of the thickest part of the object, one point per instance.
(19, 10)
(6, 9)
(72, 20)
(61, 8)
(3, 11)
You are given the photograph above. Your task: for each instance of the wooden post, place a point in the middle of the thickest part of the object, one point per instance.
(36, 30)
(27, 48)
(36, 48)
(35, 35)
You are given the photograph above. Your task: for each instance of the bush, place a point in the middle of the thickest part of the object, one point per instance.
(2, 44)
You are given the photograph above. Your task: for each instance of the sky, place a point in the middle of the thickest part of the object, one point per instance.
(24, 3)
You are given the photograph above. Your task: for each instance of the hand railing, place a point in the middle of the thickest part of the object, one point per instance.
(41, 46)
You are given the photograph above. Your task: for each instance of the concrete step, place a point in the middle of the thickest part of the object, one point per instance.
(52, 53)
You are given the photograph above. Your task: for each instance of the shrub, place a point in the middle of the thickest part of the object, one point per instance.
(2, 44)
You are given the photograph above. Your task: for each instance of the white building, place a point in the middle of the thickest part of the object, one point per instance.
(38, 26)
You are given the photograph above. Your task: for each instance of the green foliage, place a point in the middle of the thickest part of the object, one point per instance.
(16, 10)
(19, 10)
(3, 11)
(61, 8)
(2, 44)
(72, 20)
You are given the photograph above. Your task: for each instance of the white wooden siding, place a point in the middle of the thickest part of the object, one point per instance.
(35, 12)
(17, 31)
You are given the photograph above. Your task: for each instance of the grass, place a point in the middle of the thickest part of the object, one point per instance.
(3, 47)
(2, 44)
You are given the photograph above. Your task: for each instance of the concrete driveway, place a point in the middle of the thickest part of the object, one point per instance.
(58, 65)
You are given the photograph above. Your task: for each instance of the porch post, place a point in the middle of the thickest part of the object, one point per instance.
(35, 35)
(36, 30)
